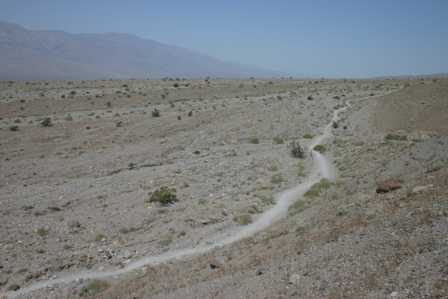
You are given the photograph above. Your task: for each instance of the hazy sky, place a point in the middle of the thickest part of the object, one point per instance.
(320, 38)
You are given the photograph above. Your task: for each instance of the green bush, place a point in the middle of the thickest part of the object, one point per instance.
(164, 196)
(320, 148)
(254, 140)
(244, 219)
(396, 137)
(278, 140)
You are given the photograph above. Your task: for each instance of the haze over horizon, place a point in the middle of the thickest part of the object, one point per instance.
(298, 38)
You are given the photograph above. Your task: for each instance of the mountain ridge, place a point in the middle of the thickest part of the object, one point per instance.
(49, 54)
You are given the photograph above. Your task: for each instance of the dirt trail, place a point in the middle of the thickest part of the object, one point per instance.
(322, 168)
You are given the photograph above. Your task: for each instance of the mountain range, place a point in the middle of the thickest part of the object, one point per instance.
(56, 55)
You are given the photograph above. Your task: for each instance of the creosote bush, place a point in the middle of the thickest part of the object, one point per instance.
(164, 195)
(46, 122)
(155, 113)
(297, 150)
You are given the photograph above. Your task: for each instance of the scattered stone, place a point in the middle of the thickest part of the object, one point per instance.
(294, 279)
(418, 189)
(388, 186)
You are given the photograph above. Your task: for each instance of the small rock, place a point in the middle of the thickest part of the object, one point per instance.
(213, 266)
(388, 185)
(418, 189)
(294, 279)
(394, 295)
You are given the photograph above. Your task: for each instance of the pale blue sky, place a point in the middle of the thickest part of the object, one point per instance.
(346, 38)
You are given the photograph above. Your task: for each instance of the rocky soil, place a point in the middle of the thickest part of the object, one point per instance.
(80, 161)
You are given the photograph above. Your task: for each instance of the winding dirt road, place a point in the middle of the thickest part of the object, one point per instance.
(322, 168)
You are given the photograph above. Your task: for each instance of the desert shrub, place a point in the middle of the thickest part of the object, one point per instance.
(320, 148)
(395, 137)
(14, 128)
(297, 207)
(297, 150)
(308, 136)
(46, 122)
(164, 195)
(100, 237)
(155, 113)
(42, 231)
(94, 287)
(318, 188)
(254, 140)
(243, 219)
(278, 140)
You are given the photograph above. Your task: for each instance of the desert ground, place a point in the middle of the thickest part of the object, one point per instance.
(82, 163)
